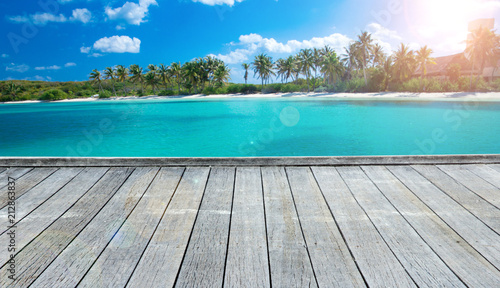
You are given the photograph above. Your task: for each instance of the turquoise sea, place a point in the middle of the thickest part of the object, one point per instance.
(249, 127)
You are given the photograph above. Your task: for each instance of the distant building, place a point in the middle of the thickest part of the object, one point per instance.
(442, 63)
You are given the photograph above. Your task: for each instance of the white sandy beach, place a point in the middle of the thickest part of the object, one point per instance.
(449, 96)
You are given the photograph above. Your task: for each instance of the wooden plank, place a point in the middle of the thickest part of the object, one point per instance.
(160, 263)
(204, 261)
(423, 265)
(288, 256)
(115, 265)
(49, 211)
(495, 167)
(467, 264)
(247, 260)
(332, 263)
(490, 175)
(375, 259)
(14, 172)
(479, 236)
(475, 183)
(40, 193)
(34, 258)
(245, 161)
(77, 258)
(486, 212)
(25, 182)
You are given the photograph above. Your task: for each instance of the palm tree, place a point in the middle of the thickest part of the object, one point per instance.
(245, 66)
(423, 58)
(306, 63)
(290, 66)
(325, 51)
(387, 69)
(110, 73)
(137, 76)
(13, 89)
(164, 74)
(351, 58)
(280, 69)
(479, 48)
(95, 76)
(404, 62)
(176, 70)
(378, 55)
(317, 59)
(152, 68)
(190, 71)
(221, 75)
(331, 67)
(263, 65)
(151, 80)
(365, 43)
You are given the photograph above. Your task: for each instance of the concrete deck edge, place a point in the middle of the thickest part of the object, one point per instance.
(258, 161)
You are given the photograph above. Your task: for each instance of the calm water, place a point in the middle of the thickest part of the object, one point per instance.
(249, 127)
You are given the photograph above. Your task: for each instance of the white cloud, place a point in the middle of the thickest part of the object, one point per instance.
(5, 55)
(17, 68)
(44, 18)
(250, 38)
(254, 43)
(95, 55)
(218, 2)
(132, 13)
(39, 78)
(82, 15)
(85, 50)
(53, 67)
(119, 27)
(118, 44)
(78, 15)
(69, 64)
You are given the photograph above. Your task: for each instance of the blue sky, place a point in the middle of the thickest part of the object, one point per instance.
(63, 40)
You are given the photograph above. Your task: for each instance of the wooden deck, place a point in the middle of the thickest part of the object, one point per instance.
(280, 226)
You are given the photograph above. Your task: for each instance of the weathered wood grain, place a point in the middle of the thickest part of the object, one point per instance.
(375, 259)
(40, 193)
(78, 257)
(41, 218)
(495, 167)
(247, 260)
(25, 182)
(244, 161)
(475, 183)
(466, 262)
(203, 264)
(160, 263)
(490, 175)
(333, 264)
(288, 256)
(485, 211)
(423, 265)
(475, 232)
(36, 257)
(13, 172)
(115, 265)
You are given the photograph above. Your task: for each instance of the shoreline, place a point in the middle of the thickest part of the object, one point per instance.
(445, 96)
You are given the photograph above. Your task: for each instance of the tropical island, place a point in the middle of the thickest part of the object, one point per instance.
(362, 67)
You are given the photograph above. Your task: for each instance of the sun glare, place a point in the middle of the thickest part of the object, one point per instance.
(449, 15)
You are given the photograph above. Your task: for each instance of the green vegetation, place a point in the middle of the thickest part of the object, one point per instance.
(363, 67)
